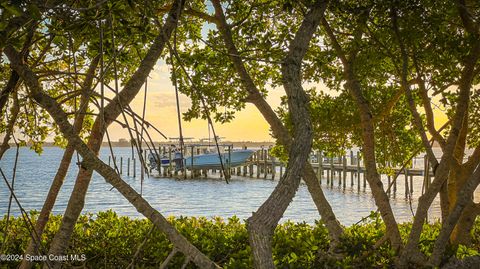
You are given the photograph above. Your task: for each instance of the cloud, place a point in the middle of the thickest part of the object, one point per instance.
(165, 100)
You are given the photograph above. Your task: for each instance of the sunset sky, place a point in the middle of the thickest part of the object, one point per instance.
(248, 124)
(161, 111)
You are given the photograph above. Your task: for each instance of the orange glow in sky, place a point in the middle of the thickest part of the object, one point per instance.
(248, 124)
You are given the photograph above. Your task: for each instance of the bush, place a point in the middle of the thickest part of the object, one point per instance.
(111, 241)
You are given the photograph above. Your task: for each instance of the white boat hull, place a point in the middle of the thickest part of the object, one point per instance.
(212, 160)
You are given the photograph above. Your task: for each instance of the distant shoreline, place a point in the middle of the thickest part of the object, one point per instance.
(236, 144)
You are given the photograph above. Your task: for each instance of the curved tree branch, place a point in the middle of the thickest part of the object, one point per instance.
(10, 125)
(280, 132)
(91, 161)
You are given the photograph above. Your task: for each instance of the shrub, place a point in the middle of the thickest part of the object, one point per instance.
(111, 241)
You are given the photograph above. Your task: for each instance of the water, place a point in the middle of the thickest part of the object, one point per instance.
(191, 197)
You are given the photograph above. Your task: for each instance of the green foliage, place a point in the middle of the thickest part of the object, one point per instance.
(61, 43)
(333, 121)
(110, 241)
(261, 30)
(279, 152)
(358, 241)
(297, 245)
(337, 128)
(473, 139)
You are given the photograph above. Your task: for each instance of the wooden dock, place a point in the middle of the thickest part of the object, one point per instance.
(342, 171)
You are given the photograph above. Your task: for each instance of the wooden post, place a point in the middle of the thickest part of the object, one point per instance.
(281, 169)
(364, 180)
(320, 166)
(134, 167)
(191, 163)
(331, 171)
(344, 170)
(258, 163)
(340, 170)
(128, 166)
(426, 172)
(260, 158)
(229, 162)
(351, 178)
(328, 177)
(395, 187)
(109, 160)
(265, 168)
(411, 183)
(121, 165)
(351, 157)
(388, 185)
(406, 183)
(170, 164)
(273, 167)
(244, 167)
(428, 175)
(358, 170)
(142, 170)
(161, 153)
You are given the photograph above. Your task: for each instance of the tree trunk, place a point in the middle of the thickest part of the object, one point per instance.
(368, 139)
(457, 179)
(441, 174)
(263, 222)
(110, 113)
(461, 233)
(32, 248)
(334, 228)
(91, 161)
(444, 201)
(7, 90)
(380, 196)
(63, 167)
(10, 125)
(75, 205)
(463, 199)
(279, 131)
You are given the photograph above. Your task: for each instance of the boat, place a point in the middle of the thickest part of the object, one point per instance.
(164, 160)
(212, 160)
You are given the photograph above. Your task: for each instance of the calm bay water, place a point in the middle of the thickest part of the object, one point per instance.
(191, 197)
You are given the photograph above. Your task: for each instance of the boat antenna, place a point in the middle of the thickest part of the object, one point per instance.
(205, 108)
(179, 117)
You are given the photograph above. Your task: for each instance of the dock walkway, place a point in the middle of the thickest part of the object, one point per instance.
(344, 170)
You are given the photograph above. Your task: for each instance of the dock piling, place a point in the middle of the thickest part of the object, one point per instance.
(320, 166)
(121, 165)
(134, 168)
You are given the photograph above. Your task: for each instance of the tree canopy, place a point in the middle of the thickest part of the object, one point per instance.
(383, 73)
